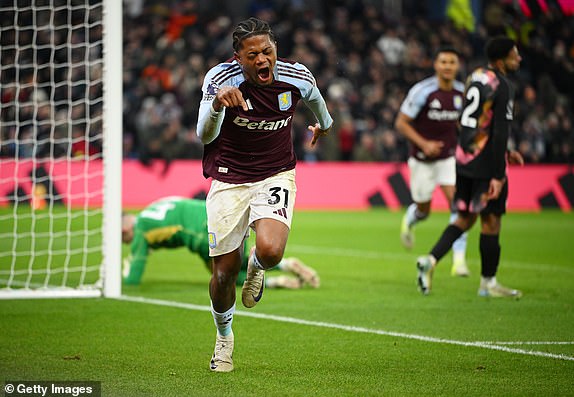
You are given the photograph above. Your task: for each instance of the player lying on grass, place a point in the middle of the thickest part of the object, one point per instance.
(174, 222)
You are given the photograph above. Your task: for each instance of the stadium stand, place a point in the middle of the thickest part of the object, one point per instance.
(364, 57)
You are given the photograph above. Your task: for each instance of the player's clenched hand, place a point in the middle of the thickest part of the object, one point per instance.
(432, 148)
(229, 97)
(494, 188)
(317, 132)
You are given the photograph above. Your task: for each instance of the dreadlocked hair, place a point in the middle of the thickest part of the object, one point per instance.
(250, 27)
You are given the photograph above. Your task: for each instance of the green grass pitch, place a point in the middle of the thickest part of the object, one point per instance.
(365, 332)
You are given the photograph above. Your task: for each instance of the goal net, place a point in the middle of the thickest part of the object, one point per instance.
(60, 148)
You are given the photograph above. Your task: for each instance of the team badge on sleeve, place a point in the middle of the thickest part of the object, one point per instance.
(457, 102)
(284, 100)
(212, 240)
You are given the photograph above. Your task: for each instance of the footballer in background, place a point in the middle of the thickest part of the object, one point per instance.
(175, 222)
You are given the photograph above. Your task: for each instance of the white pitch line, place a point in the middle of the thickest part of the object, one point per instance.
(355, 253)
(484, 345)
(530, 343)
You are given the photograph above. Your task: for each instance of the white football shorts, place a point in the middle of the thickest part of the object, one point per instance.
(426, 176)
(232, 208)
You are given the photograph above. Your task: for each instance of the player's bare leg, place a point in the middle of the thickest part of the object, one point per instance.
(270, 242)
(222, 293)
(222, 284)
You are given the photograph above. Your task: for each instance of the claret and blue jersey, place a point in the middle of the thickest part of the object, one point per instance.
(255, 144)
(435, 114)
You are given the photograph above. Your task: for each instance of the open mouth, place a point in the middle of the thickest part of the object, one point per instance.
(264, 74)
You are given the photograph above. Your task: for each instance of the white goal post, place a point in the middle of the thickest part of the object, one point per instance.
(60, 148)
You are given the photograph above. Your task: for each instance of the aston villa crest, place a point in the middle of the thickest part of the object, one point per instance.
(284, 100)
(457, 102)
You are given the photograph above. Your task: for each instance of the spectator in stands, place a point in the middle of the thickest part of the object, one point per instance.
(343, 41)
(356, 43)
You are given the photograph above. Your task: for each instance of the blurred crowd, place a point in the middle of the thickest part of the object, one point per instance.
(51, 79)
(364, 59)
(365, 56)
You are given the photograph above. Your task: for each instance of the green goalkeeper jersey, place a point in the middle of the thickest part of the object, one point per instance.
(168, 223)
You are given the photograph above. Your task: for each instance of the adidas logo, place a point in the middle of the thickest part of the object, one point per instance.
(435, 104)
(282, 212)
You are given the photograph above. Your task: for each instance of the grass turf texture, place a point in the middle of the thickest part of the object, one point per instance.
(367, 280)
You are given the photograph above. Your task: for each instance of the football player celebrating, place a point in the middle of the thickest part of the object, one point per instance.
(174, 222)
(244, 121)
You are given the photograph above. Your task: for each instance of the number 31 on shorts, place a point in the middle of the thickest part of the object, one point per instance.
(279, 194)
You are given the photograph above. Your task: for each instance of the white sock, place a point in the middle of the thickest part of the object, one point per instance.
(223, 320)
(256, 262)
(411, 214)
(488, 281)
(282, 265)
(458, 256)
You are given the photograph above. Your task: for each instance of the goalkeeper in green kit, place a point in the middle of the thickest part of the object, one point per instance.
(174, 222)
